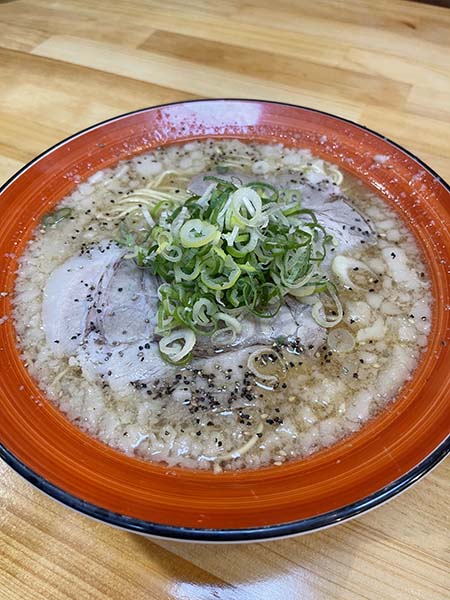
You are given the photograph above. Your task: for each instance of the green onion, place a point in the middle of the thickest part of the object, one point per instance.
(195, 233)
(176, 347)
(220, 277)
(56, 216)
(319, 313)
(231, 252)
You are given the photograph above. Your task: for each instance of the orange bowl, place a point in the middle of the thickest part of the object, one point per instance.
(390, 453)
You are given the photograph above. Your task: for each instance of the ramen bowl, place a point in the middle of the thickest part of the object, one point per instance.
(390, 453)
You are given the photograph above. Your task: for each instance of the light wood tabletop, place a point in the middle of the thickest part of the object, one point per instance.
(66, 65)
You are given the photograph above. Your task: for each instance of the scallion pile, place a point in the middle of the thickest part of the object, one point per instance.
(230, 252)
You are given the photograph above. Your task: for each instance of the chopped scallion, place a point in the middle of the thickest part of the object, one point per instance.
(233, 251)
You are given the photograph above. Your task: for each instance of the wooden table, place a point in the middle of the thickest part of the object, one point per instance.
(66, 65)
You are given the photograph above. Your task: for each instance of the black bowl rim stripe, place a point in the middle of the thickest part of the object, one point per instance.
(310, 524)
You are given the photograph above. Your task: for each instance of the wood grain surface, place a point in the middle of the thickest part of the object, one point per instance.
(67, 64)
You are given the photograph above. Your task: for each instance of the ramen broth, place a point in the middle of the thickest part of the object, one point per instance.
(277, 388)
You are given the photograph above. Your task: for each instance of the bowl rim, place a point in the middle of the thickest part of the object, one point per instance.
(251, 534)
(261, 533)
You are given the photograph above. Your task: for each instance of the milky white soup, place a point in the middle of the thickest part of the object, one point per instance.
(222, 305)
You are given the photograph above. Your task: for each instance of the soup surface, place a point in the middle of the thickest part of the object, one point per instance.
(222, 305)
